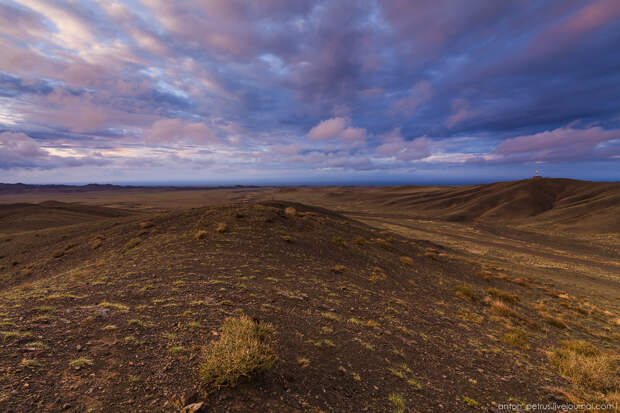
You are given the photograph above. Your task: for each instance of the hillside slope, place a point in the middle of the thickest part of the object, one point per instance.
(565, 203)
(112, 315)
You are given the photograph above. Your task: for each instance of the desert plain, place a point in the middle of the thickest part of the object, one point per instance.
(408, 298)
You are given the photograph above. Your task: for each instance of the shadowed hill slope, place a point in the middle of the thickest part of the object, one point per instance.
(112, 314)
(48, 214)
(566, 203)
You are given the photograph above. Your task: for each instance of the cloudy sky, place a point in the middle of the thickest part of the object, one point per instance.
(298, 91)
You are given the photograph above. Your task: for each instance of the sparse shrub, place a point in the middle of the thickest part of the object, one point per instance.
(398, 402)
(177, 349)
(466, 292)
(81, 362)
(290, 211)
(30, 363)
(222, 227)
(470, 402)
(201, 234)
(415, 384)
(502, 308)
(338, 269)
(339, 242)
(503, 295)
(360, 241)
(356, 321)
(241, 351)
(516, 337)
(591, 371)
(114, 306)
(377, 275)
(406, 260)
(330, 316)
(552, 320)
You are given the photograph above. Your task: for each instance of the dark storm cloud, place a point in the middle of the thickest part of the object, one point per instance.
(347, 85)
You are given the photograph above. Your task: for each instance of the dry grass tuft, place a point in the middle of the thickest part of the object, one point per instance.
(398, 402)
(201, 234)
(290, 211)
(339, 242)
(338, 269)
(592, 373)
(81, 362)
(30, 363)
(516, 337)
(222, 227)
(503, 295)
(500, 307)
(552, 320)
(406, 260)
(288, 238)
(466, 292)
(377, 275)
(146, 224)
(241, 351)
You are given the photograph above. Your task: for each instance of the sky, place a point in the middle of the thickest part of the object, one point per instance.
(298, 91)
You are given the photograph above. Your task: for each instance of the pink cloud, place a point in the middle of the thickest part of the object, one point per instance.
(18, 150)
(460, 111)
(396, 146)
(560, 136)
(593, 16)
(170, 131)
(19, 145)
(561, 143)
(420, 93)
(337, 129)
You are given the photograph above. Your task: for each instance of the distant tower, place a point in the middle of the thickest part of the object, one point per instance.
(537, 176)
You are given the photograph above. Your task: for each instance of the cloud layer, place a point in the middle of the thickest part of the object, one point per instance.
(154, 89)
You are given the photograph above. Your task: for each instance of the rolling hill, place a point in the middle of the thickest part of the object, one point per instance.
(562, 203)
(112, 312)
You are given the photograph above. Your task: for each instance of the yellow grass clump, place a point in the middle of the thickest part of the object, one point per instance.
(242, 351)
(592, 373)
(222, 227)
